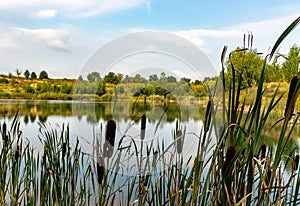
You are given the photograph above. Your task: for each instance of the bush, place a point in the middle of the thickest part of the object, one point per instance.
(3, 80)
(43, 75)
(28, 89)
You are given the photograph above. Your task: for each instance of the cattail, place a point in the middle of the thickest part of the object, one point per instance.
(263, 151)
(208, 115)
(292, 97)
(147, 179)
(100, 169)
(64, 149)
(229, 157)
(4, 136)
(179, 142)
(268, 177)
(44, 159)
(110, 136)
(17, 153)
(143, 127)
(295, 162)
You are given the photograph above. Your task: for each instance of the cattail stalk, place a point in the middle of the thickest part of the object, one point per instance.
(155, 156)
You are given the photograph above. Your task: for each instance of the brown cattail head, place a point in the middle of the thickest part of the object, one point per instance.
(229, 157)
(268, 177)
(107, 149)
(4, 135)
(208, 115)
(110, 134)
(100, 169)
(230, 153)
(44, 159)
(263, 151)
(292, 97)
(17, 153)
(295, 162)
(179, 142)
(143, 127)
(64, 149)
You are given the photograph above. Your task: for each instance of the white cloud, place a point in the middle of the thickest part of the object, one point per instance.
(39, 49)
(56, 39)
(29, 48)
(265, 34)
(44, 14)
(79, 8)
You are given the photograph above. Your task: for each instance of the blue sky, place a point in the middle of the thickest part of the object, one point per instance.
(60, 35)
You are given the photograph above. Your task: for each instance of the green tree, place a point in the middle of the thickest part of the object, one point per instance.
(43, 75)
(33, 75)
(171, 79)
(274, 72)
(291, 64)
(101, 89)
(247, 65)
(80, 78)
(139, 79)
(93, 76)
(186, 80)
(111, 77)
(27, 74)
(18, 72)
(153, 77)
(197, 82)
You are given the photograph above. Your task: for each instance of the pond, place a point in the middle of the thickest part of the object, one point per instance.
(87, 120)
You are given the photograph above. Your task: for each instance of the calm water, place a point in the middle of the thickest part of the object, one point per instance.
(85, 120)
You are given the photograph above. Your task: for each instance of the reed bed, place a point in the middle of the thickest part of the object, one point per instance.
(232, 166)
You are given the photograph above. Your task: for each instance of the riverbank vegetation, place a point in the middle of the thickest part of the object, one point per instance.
(157, 87)
(233, 164)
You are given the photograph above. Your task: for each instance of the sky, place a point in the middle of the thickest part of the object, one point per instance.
(60, 36)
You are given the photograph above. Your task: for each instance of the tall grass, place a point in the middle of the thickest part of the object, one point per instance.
(239, 169)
